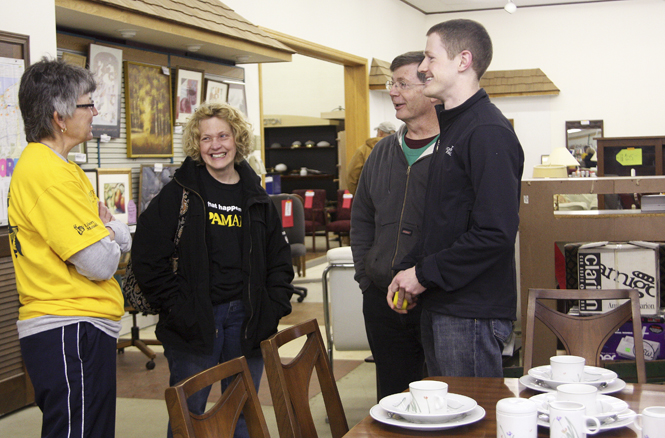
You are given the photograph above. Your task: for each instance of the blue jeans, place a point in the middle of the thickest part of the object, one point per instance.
(463, 347)
(228, 326)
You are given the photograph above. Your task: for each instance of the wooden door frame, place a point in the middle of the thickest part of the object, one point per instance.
(356, 88)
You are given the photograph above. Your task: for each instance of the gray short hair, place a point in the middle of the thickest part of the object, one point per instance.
(409, 58)
(50, 86)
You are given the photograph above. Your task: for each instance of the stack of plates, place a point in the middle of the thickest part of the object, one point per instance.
(392, 410)
(540, 379)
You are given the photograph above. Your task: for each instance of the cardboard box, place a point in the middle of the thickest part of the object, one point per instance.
(631, 265)
(621, 345)
(273, 184)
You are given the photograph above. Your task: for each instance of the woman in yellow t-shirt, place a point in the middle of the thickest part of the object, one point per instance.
(65, 246)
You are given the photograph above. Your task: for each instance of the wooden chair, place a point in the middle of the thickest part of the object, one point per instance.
(219, 421)
(289, 383)
(316, 215)
(584, 335)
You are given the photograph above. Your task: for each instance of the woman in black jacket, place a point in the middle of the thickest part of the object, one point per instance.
(234, 272)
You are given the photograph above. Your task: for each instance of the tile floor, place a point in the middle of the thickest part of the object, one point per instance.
(141, 418)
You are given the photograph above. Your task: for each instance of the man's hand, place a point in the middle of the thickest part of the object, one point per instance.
(406, 286)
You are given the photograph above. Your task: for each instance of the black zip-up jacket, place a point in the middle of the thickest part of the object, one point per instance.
(186, 318)
(466, 254)
(387, 210)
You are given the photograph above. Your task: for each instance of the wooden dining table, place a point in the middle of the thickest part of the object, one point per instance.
(486, 391)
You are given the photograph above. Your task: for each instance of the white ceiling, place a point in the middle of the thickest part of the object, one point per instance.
(443, 6)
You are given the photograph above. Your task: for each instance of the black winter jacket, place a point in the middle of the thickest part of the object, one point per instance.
(186, 318)
(466, 255)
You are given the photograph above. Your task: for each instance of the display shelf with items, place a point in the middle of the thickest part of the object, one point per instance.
(630, 156)
(308, 148)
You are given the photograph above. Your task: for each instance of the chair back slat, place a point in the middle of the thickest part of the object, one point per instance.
(289, 382)
(584, 336)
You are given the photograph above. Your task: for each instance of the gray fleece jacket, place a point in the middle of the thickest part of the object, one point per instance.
(387, 210)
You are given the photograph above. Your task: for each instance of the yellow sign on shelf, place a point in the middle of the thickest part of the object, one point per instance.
(630, 157)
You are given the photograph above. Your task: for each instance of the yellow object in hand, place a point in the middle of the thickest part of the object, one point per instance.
(404, 303)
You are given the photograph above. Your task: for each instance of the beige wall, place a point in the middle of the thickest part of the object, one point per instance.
(35, 18)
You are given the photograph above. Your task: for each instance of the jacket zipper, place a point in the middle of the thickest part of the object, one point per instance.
(401, 214)
(249, 280)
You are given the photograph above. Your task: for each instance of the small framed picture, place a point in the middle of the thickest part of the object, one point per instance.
(106, 66)
(236, 97)
(188, 93)
(148, 108)
(216, 91)
(114, 189)
(73, 58)
(152, 179)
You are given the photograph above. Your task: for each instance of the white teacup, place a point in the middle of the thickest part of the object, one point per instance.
(516, 418)
(428, 397)
(581, 393)
(653, 422)
(567, 368)
(567, 419)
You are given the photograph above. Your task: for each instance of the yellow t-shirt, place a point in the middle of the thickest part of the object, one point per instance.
(53, 214)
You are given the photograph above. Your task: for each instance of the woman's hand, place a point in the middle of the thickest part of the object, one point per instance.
(106, 217)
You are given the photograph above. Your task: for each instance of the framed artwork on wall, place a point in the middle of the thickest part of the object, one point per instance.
(114, 189)
(92, 176)
(236, 97)
(216, 91)
(188, 93)
(152, 179)
(106, 66)
(148, 110)
(73, 58)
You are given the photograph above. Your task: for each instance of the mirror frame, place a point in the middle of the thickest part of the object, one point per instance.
(584, 124)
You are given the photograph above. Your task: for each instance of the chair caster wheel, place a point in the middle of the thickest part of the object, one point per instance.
(301, 299)
(150, 365)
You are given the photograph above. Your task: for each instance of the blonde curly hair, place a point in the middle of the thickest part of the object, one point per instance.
(242, 130)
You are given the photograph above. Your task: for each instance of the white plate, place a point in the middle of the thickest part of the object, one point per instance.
(626, 418)
(383, 416)
(397, 404)
(615, 385)
(592, 375)
(609, 405)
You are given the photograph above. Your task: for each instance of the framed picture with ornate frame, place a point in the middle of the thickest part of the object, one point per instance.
(73, 58)
(148, 110)
(114, 189)
(188, 93)
(216, 91)
(152, 179)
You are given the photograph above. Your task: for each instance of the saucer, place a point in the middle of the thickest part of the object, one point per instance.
(626, 418)
(609, 405)
(615, 385)
(592, 376)
(398, 404)
(383, 416)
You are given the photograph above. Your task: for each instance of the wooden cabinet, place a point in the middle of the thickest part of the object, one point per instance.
(323, 160)
(612, 151)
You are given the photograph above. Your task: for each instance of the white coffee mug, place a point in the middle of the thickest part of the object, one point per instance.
(567, 419)
(516, 418)
(567, 368)
(653, 422)
(428, 397)
(579, 392)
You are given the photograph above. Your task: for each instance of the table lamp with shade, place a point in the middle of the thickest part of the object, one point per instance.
(557, 167)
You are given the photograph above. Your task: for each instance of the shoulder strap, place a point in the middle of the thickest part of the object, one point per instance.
(184, 206)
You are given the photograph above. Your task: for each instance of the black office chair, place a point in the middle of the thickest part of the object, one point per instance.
(296, 235)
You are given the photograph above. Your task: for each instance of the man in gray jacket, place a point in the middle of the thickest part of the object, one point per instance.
(385, 224)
